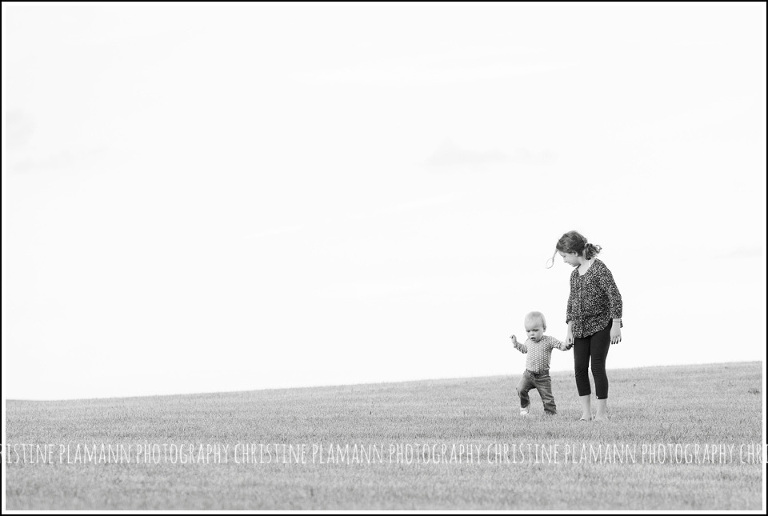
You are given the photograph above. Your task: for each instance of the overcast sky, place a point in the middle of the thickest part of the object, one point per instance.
(216, 197)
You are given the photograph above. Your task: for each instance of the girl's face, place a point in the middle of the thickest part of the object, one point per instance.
(571, 259)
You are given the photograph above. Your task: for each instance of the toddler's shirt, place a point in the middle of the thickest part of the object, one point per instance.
(539, 353)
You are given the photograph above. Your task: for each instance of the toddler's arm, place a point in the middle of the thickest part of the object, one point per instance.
(562, 346)
(522, 348)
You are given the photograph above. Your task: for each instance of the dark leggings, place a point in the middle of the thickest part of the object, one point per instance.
(594, 346)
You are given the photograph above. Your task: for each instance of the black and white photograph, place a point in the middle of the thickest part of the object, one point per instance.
(384, 256)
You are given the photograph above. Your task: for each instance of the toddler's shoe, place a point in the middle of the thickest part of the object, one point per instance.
(524, 411)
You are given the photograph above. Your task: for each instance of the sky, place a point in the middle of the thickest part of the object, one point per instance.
(208, 198)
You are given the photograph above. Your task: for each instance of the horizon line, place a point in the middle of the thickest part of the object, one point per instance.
(441, 379)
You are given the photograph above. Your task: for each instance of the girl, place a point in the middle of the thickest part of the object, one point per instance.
(593, 316)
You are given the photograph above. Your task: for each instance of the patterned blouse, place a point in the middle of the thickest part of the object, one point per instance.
(539, 353)
(594, 300)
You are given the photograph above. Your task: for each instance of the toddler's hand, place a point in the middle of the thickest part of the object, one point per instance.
(514, 339)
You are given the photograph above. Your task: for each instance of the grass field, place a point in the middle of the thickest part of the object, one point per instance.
(715, 407)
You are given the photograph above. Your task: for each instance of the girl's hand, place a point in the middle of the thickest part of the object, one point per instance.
(514, 340)
(615, 334)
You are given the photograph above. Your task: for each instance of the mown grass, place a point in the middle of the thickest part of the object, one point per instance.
(698, 404)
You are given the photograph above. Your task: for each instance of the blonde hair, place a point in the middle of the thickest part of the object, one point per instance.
(533, 317)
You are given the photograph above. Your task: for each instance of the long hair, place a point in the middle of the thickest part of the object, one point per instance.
(575, 242)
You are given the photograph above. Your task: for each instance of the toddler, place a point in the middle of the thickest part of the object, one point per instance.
(536, 376)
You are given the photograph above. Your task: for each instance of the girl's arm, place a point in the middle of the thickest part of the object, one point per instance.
(569, 316)
(615, 305)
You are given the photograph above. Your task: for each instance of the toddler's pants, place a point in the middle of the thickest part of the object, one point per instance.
(542, 383)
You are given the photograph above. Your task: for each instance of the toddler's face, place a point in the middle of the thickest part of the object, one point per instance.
(535, 331)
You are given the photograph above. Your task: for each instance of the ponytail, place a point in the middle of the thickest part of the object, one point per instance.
(591, 250)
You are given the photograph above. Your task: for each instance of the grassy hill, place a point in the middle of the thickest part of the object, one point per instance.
(679, 437)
